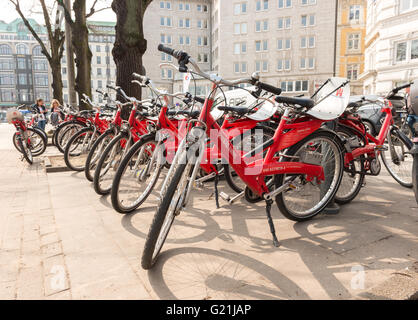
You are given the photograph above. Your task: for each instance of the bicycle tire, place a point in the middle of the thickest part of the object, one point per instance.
(116, 203)
(98, 172)
(60, 132)
(88, 166)
(347, 198)
(279, 179)
(25, 151)
(148, 258)
(68, 151)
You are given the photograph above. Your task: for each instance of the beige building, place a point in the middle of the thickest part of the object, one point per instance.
(183, 25)
(391, 45)
(290, 42)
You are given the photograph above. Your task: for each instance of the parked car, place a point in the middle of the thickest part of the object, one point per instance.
(372, 115)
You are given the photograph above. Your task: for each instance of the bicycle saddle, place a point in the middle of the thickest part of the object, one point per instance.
(192, 114)
(303, 102)
(239, 110)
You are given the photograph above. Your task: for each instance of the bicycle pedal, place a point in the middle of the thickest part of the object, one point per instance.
(224, 196)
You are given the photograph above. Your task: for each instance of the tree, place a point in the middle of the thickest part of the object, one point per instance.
(56, 46)
(130, 44)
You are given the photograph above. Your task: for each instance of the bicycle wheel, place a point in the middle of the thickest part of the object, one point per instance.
(353, 175)
(246, 142)
(77, 148)
(66, 132)
(37, 141)
(309, 198)
(397, 161)
(27, 154)
(169, 207)
(137, 175)
(108, 164)
(95, 153)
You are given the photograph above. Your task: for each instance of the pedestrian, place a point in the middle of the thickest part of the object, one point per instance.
(56, 114)
(41, 110)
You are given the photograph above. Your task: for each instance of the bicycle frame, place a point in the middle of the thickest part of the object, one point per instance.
(254, 172)
(369, 148)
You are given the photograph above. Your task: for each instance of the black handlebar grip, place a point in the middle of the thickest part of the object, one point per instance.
(165, 49)
(110, 87)
(269, 88)
(200, 100)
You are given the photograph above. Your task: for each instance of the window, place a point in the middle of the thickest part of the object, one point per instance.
(22, 79)
(7, 64)
(287, 64)
(401, 51)
(408, 5)
(165, 5)
(240, 28)
(240, 8)
(414, 49)
(284, 44)
(312, 42)
(166, 39)
(22, 49)
(237, 68)
(5, 49)
(99, 71)
(98, 48)
(202, 41)
(284, 23)
(307, 19)
(99, 60)
(303, 42)
(307, 2)
(261, 25)
(7, 79)
(311, 63)
(41, 79)
(353, 41)
(37, 51)
(284, 4)
(262, 5)
(21, 63)
(166, 74)
(355, 12)
(202, 24)
(99, 84)
(64, 70)
(352, 71)
(7, 95)
(41, 65)
(261, 45)
(303, 63)
(165, 21)
(283, 64)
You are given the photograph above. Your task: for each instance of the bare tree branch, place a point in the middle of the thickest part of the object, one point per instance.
(28, 25)
(95, 11)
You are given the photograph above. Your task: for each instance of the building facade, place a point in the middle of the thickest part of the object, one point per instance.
(290, 42)
(351, 32)
(391, 54)
(24, 70)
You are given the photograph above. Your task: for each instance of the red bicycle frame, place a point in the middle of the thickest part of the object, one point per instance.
(287, 134)
(369, 148)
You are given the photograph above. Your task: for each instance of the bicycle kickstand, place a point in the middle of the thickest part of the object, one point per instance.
(271, 224)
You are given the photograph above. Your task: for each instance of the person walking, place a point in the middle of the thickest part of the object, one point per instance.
(41, 110)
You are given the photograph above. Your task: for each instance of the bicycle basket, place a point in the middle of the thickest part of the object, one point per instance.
(414, 97)
(14, 114)
(331, 103)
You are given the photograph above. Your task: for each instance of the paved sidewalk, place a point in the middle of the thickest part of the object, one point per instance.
(60, 240)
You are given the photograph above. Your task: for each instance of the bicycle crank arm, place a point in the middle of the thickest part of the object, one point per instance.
(230, 200)
(199, 182)
(271, 195)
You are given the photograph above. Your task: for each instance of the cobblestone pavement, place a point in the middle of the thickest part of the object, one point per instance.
(60, 240)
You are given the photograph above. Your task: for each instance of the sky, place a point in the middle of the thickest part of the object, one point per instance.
(8, 12)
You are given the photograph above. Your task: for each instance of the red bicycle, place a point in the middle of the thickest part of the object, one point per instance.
(304, 160)
(28, 141)
(79, 145)
(363, 150)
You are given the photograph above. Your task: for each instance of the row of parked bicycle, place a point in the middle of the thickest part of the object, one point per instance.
(301, 152)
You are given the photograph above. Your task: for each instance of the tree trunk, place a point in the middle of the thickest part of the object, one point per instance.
(80, 41)
(55, 65)
(130, 44)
